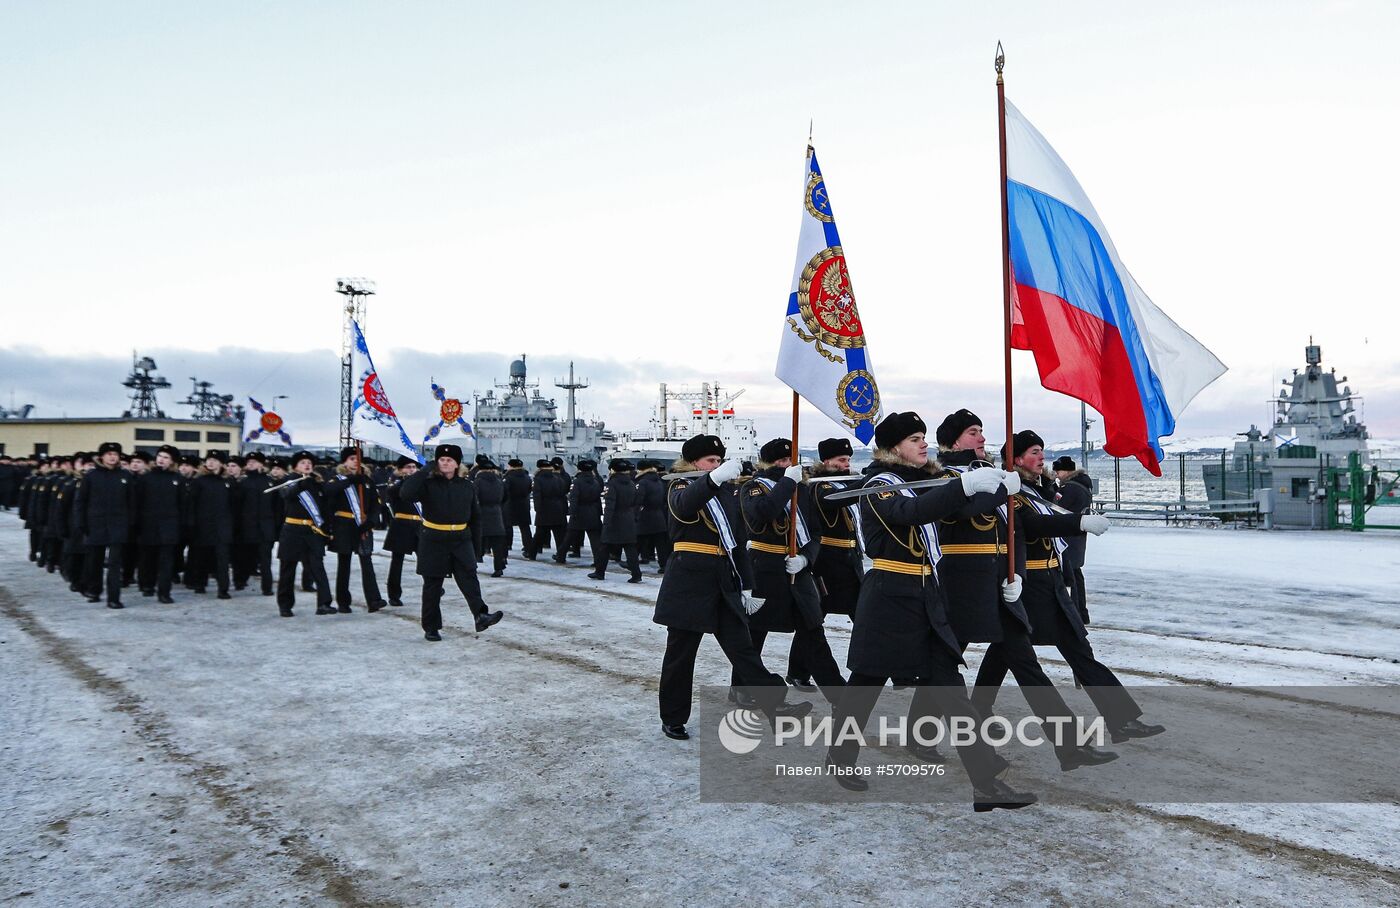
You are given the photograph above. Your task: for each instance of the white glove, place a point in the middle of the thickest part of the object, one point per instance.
(1011, 589)
(1094, 523)
(982, 479)
(1012, 482)
(751, 603)
(794, 473)
(725, 472)
(795, 563)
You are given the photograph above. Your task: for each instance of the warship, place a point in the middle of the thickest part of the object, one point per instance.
(708, 411)
(1316, 444)
(521, 422)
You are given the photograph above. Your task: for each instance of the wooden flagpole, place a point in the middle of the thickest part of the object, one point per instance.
(792, 519)
(1008, 451)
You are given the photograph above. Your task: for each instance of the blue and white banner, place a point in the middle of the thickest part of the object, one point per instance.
(823, 356)
(451, 420)
(372, 417)
(261, 421)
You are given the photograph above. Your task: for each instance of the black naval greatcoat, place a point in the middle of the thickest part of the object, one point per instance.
(209, 510)
(788, 603)
(902, 616)
(402, 535)
(840, 567)
(703, 576)
(102, 512)
(347, 528)
(1045, 597)
(973, 566)
(451, 520)
(304, 533)
(1076, 495)
(256, 511)
(519, 485)
(491, 503)
(651, 504)
(551, 499)
(620, 510)
(159, 506)
(586, 503)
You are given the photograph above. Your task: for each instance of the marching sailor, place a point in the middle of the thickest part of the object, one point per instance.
(402, 537)
(159, 503)
(984, 606)
(491, 498)
(303, 538)
(791, 603)
(449, 539)
(1054, 619)
(901, 624)
(102, 516)
(840, 567)
(356, 502)
(703, 589)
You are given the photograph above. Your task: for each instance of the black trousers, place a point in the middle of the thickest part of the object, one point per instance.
(1074, 579)
(942, 693)
(523, 525)
(603, 553)
(156, 570)
(678, 667)
(464, 572)
(1016, 653)
(368, 582)
(70, 558)
(314, 569)
(797, 660)
(1111, 699)
(575, 541)
(250, 558)
(131, 554)
(395, 583)
(499, 547)
(541, 540)
(655, 545)
(202, 559)
(816, 652)
(98, 557)
(36, 543)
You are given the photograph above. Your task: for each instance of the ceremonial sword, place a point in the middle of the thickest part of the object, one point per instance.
(873, 488)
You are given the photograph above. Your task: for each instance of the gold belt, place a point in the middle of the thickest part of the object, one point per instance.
(445, 527)
(300, 522)
(345, 514)
(1043, 564)
(768, 547)
(839, 543)
(902, 567)
(973, 548)
(407, 517)
(698, 548)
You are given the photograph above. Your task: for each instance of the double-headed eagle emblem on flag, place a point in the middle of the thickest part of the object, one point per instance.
(449, 414)
(269, 423)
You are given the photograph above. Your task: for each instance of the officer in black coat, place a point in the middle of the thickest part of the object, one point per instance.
(32, 504)
(491, 498)
(986, 607)
(557, 463)
(703, 590)
(585, 511)
(1054, 619)
(451, 533)
(69, 543)
(209, 522)
(355, 503)
(138, 464)
(103, 516)
(303, 537)
(619, 521)
(839, 568)
(785, 583)
(9, 482)
(401, 539)
(257, 523)
(551, 500)
(519, 487)
(652, 541)
(1074, 491)
(159, 505)
(901, 624)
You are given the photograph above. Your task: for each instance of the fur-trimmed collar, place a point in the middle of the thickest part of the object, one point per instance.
(819, 469)
(681, 465)
(887, 457)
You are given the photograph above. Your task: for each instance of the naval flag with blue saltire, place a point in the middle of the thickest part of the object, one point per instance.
(450, 418)
(823, 356)
(372, 417)
(262, 421)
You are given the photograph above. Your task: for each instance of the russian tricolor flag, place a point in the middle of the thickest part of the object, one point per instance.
(1095, 334)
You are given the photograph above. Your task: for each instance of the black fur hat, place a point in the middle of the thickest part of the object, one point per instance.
(515, 463)
(702, 446)
(347, 453)
(833, 447)
(896, 427)
(1064, 462)
(954, 425)
(775, 450)
(619, 465)
(1023, 441)
(108, 446)
(453, 451)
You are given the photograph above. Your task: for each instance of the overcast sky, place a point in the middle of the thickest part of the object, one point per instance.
(619, 183)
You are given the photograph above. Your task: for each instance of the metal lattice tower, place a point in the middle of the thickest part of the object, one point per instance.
(143, 384)
(354, 289)
(209, 405)
(571, 386)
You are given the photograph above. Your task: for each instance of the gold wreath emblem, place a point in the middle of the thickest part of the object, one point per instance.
(828, 305)
(816, 200)
(858, 398)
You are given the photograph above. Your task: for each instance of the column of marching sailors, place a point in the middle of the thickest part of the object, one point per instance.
(718, 531)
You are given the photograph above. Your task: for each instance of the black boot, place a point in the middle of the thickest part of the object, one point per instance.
(1133, 729)
(1085, 755)
(996, 794)
(486, 619)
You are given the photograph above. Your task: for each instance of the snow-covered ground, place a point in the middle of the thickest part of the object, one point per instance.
(212, 753)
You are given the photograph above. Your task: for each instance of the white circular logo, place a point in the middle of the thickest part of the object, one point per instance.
(741, 730)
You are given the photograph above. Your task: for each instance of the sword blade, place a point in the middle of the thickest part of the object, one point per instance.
(887, 487)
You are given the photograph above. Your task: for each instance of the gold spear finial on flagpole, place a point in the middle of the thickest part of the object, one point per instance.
(999, 62)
